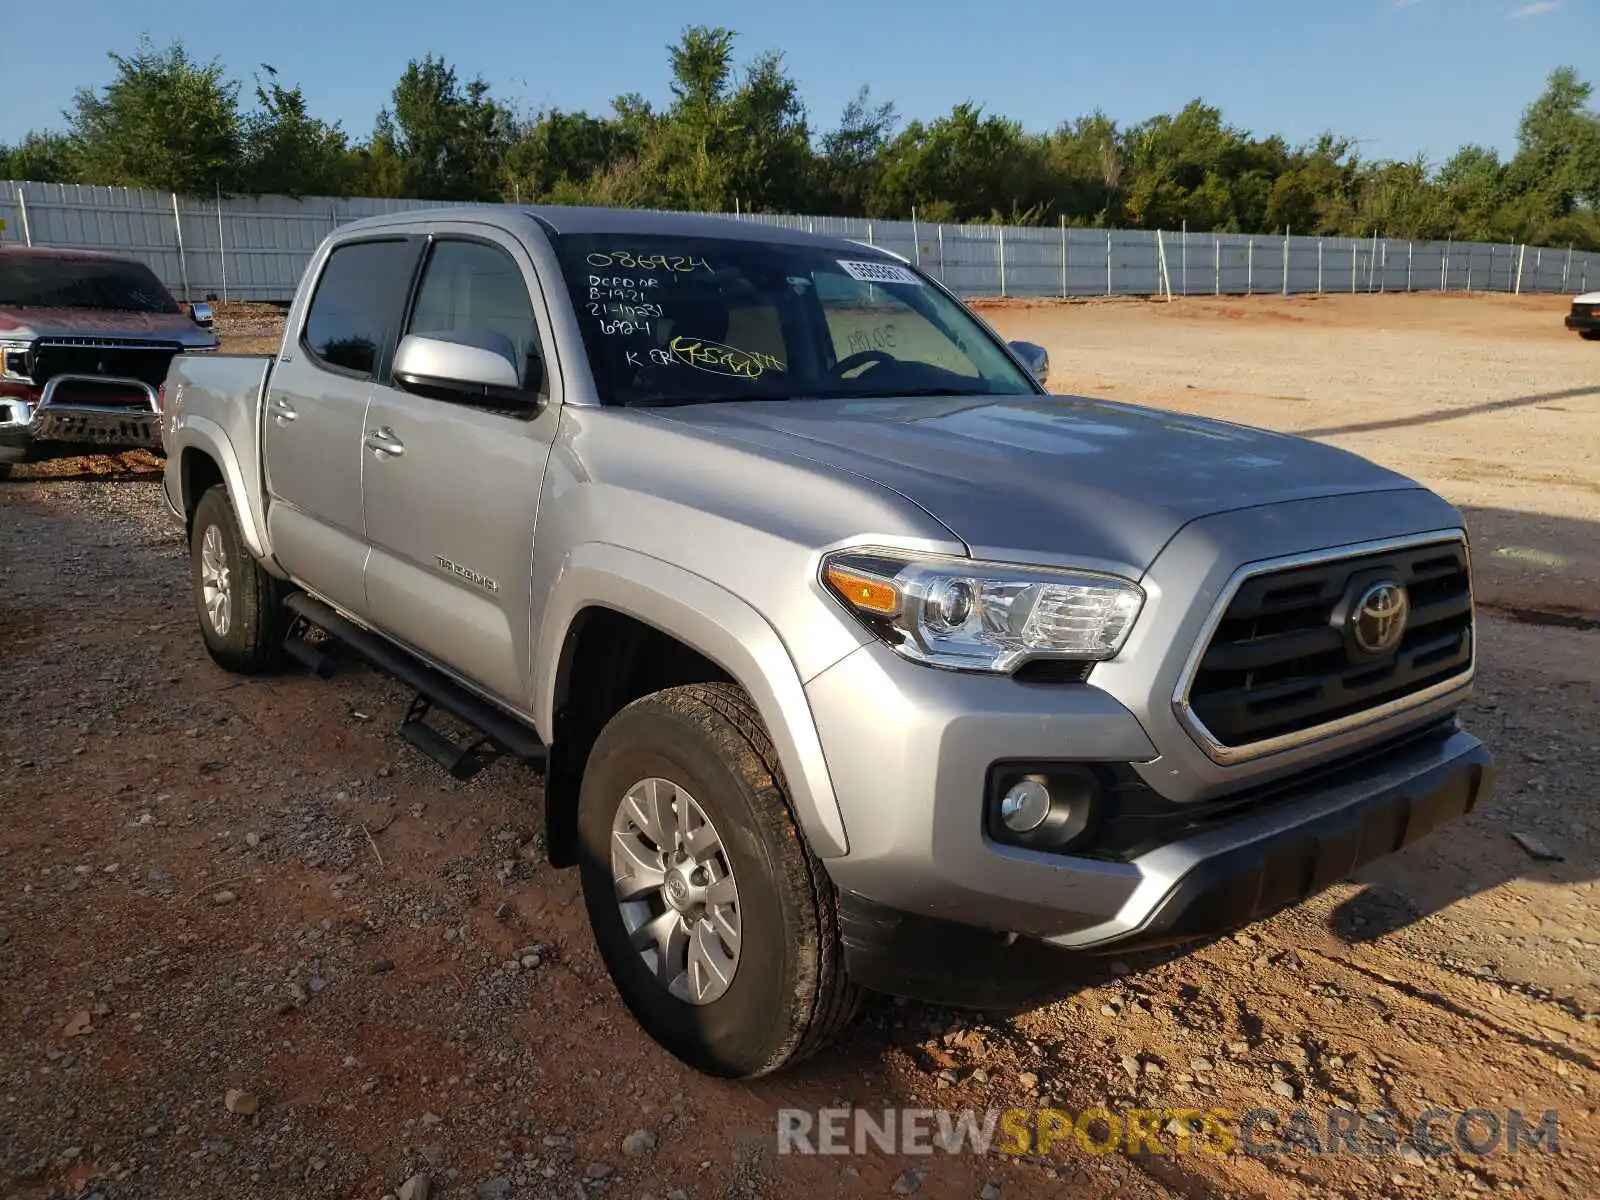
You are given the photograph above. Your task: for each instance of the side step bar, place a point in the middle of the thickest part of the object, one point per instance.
(498, 732)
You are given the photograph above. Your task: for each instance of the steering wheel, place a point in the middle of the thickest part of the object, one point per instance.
(862, 358)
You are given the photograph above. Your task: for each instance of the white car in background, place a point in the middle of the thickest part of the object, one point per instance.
(1585, 315)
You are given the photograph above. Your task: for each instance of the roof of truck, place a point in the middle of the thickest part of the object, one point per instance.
(575, 219)
(62, 254)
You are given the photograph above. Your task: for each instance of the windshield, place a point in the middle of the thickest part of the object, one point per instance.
(29, 282)
(683, 320)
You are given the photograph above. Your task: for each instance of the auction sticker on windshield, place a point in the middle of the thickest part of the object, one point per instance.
(878, 272)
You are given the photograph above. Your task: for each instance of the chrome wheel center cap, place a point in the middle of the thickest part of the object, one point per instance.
(679, 887)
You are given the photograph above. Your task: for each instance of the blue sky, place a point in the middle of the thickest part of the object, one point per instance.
(1402, 75)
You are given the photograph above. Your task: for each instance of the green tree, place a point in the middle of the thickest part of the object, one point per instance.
(439, 140)
(1084, 165)
(289, 152)
(766, 144)
(690, 157)
(722, 141)
(739, 135)
(1400, 200)
(41, 157)
(166, 121)
(560, 150)
(1313, 195)
(1473, 185)
(964, 167)
(853, 154)
(1558, 146)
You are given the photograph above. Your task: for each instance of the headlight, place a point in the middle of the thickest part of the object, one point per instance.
(965, 615)
(16, 361)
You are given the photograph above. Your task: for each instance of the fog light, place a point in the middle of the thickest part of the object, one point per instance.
(1044, 806)
(1025, 806)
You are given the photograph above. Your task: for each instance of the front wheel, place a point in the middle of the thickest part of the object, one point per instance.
(715, 921)
(240, 606)
(1589, 335)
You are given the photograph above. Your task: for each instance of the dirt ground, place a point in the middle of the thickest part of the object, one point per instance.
(210, 884)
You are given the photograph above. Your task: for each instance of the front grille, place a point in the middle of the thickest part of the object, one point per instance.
(1276, 664)
(145, 361)
(99, 393)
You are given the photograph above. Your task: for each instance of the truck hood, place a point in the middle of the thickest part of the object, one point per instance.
(1049, 479)
(97, 322)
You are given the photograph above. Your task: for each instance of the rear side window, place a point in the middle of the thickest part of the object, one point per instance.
(358, 302)
(469, 287)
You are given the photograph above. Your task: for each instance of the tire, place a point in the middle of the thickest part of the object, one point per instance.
(5, 471)
(787, 994)
(245, 633)
(1589, 335)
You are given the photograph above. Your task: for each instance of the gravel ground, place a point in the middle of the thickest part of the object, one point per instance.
(252, 945)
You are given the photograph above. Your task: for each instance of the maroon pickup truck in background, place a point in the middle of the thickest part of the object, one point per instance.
(85, 341)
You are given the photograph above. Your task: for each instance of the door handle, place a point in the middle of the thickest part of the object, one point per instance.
(384, 444)
(282, 411)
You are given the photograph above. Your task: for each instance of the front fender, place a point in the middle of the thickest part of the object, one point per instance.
(719, 625)
(200, 433)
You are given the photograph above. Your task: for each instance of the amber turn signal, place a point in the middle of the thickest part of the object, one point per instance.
(863, 592)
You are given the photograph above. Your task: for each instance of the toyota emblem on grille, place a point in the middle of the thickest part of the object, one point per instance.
(1378, 618)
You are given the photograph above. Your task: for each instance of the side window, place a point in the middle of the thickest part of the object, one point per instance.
(471, 287)
(357, 303)
(866, 317)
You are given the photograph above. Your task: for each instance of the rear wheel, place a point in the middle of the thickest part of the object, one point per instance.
(240, 606)
(714, 920)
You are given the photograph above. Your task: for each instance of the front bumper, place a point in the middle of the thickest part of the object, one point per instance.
(1239, 874)
(1583, 322)
(31, 432)
(931, 905)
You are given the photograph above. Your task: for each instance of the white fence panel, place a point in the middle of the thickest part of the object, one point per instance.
(255, 248)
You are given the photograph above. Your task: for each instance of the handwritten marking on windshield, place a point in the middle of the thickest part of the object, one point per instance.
(879, 337)
(631, 311)
(625, 319)
(718, 359)
(620, 287)
(627, 259)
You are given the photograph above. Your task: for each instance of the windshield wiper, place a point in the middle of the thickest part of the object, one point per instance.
(929, 391)
(656, 400)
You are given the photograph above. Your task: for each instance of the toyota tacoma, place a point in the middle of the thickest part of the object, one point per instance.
(852, 657)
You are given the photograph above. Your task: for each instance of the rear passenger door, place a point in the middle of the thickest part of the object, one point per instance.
(450, 518)
(316, 413)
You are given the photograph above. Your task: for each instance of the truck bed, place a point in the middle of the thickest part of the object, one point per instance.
(219, 396)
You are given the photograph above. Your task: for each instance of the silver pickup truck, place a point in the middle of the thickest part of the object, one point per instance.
(852, 657)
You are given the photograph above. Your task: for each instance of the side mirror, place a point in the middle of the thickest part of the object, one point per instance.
(1035, 357)
(464, 365)
(202, 315)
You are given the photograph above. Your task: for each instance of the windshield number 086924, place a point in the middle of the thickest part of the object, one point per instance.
(682, 264)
